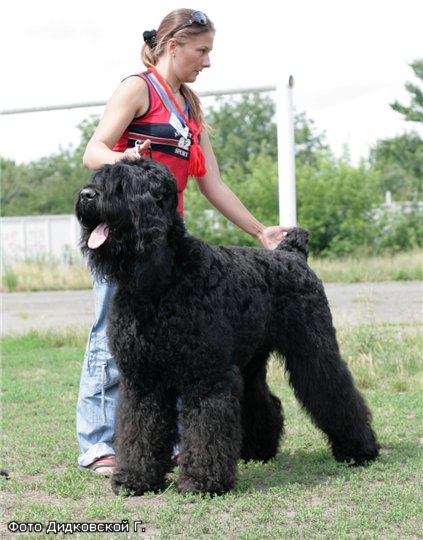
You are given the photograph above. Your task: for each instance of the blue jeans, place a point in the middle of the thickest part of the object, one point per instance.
(99, 386)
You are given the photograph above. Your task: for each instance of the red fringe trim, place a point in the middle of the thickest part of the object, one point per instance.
(197, 161)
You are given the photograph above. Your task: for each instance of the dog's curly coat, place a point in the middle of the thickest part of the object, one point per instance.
(199, 322)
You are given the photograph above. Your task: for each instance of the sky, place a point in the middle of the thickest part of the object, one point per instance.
(349, 60)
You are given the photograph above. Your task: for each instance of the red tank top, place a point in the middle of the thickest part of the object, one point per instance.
(168, 146)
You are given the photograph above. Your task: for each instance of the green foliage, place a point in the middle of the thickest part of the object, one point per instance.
(414, 111)
(399, 230)
(243, 134)
(46, 186)
(308, 143)
(256, 183)
(334, 202)
(9, 280)
(241, 127)
(15, 188)
(400, 163)
(245, 126)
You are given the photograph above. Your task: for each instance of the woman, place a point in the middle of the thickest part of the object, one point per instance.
(157, 114)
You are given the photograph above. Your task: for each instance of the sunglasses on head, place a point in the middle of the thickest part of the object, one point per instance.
(196, 17)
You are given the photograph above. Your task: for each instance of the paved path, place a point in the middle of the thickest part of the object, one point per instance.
(350, 304)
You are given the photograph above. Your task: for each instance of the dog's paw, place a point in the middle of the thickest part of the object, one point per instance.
(133, 488)
(121, 490)
(356, 457)
(190, 486)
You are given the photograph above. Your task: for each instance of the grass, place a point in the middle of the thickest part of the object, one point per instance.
(45, 275)
(403, 266)
(49, 274)
(302, 494)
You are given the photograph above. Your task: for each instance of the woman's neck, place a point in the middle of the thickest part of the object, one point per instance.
(172, 82)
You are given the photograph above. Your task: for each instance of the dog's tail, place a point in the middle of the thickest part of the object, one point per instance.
(296, 240)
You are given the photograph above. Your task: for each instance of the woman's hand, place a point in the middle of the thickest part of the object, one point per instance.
(137, 150)
(271, 237)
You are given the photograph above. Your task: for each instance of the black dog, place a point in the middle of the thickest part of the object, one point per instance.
(200, 322)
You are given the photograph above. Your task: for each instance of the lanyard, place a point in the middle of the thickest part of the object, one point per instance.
(169, 102)
(196, 160)
(173, 104)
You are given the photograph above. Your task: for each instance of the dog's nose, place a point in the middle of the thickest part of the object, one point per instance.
(87, 194)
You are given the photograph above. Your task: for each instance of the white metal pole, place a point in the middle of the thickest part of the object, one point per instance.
(286, 153)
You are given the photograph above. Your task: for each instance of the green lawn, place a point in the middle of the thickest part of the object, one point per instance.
(302, 494)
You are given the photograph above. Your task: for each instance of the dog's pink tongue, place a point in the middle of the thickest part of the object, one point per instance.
(98, 236)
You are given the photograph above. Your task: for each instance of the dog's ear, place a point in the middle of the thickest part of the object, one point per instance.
(147, 227)
(150, 194)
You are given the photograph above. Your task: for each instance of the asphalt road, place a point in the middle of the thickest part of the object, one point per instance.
(350, 304)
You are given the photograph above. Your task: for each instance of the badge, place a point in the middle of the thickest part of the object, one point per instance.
(175, 122)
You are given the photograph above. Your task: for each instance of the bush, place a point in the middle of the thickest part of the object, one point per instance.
(334, 203)
(400, 230)
(256, 184)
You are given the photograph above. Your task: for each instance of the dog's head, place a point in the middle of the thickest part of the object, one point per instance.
(125, 211)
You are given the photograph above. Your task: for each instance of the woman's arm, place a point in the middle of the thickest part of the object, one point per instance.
(223, 198)
(129, 100)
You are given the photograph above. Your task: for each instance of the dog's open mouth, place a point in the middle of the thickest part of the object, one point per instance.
(98, 236)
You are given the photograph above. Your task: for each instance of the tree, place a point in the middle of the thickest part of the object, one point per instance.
(334, 198)
(414, 111)
(308, 143)
(335, 202)
(48, 185)
(400, 163)
(400, 159)
(243, 133)
(246, 125)
(256, 183)
(240, 127)
(16, 188)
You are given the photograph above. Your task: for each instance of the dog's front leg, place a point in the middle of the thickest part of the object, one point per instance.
(212, 435)
(145, 435)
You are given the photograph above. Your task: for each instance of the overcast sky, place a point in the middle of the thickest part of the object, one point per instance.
(349, 59)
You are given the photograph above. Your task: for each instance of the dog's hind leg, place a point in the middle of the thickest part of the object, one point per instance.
(324, 385)
(262, 414)
(211, 438)
(145, 435)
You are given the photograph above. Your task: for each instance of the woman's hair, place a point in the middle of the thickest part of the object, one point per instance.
(154, 47)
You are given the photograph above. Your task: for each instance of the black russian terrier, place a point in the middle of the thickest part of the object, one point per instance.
(200, 322)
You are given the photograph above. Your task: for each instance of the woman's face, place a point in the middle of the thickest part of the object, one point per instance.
(192, 57)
